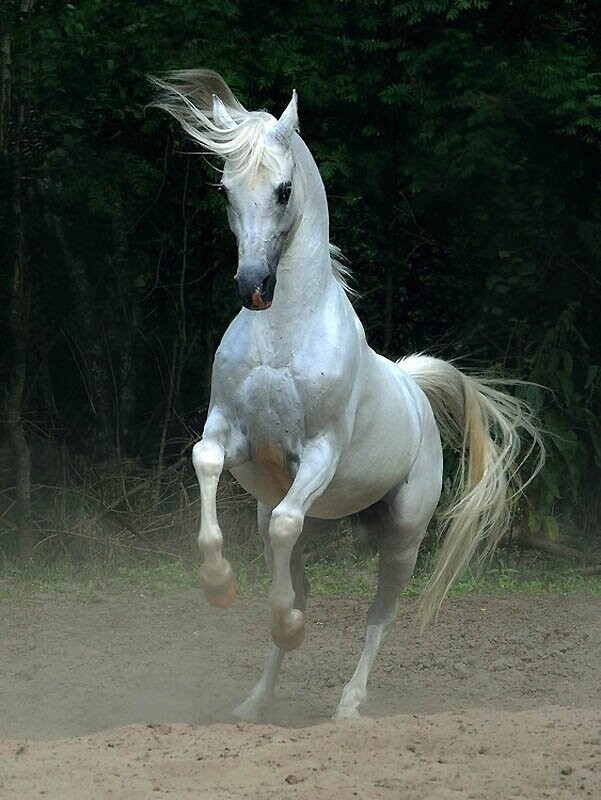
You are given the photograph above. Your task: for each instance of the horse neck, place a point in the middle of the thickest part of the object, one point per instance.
(304, 275)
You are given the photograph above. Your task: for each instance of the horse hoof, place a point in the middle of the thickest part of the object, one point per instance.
(248, 711)
(221, 596)
(293, 634)
(343, 714)
(291, 642)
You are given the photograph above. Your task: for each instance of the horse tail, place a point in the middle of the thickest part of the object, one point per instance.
(486, 426)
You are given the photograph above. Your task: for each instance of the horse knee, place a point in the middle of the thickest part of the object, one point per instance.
(207, 458)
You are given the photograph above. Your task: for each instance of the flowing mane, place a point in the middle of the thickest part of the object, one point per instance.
(188, 96)
(342, 272)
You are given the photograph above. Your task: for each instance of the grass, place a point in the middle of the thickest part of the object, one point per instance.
(344, 575)
(506, 574)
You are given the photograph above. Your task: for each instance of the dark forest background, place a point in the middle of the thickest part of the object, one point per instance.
(459, 141)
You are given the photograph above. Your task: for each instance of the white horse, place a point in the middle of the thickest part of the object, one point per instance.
(308, 418)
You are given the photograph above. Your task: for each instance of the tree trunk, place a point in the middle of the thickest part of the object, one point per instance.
(20, 290)
(388, 316)
(19, 325)
(91, 343)
(5, 93)
(125, 323)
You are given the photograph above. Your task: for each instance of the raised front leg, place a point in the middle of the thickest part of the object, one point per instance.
(317, 467)
(216, 575)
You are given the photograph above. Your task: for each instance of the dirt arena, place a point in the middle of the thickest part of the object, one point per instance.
(128, 696)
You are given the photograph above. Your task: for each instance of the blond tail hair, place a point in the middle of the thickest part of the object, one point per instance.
(487, 426)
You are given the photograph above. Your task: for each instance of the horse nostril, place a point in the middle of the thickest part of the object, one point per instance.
(254, 281)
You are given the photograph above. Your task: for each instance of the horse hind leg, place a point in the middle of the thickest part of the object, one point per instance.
(397, 555)
(262, 695)
(399, 522)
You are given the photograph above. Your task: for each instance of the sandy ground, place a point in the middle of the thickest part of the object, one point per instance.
(129, 696)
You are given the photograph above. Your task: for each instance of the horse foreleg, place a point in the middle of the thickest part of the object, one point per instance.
(261, 697)
(315, 471)
(216, 575)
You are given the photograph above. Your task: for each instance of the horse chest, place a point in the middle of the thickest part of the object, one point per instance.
(269, 403)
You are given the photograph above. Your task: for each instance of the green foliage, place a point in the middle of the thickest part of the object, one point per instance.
(568, 409)
(459, 141)
(92, 579)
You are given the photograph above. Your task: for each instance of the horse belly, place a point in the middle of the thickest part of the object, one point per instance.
(361, 480)
(387, 435)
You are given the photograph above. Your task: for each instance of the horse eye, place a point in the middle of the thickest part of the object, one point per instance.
(222, 189)
(283, 192)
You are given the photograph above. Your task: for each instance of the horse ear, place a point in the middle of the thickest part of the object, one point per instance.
(288, 122)
(221, 116)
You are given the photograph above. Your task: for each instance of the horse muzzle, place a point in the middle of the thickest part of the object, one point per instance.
(255, 285)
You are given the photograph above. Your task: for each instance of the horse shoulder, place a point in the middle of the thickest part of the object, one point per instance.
(328, 362)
